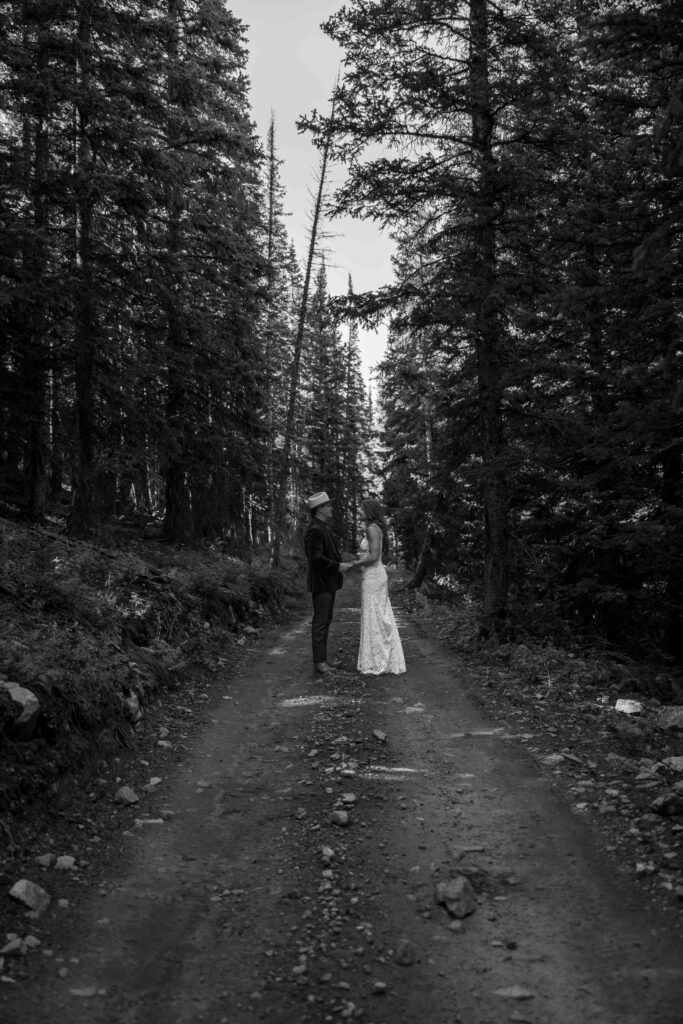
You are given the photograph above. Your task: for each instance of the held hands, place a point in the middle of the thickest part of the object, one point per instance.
(345, 566)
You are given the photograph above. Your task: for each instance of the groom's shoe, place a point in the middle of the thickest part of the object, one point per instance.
(322, 667)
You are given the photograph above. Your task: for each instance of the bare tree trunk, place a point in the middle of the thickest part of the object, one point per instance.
(489, 342)
(672, 498)
(283, 477)
(177, 513)
(427, 407)
(346, 474)
(270, 317)
(671, 461)
(35, 356)
(82, 508)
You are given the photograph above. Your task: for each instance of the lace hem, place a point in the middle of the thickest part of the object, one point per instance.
(380, 645)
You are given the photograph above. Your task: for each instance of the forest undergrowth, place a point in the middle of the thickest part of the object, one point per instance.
(97, 632)
(621, 771)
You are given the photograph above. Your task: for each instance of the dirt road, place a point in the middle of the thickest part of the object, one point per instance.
(249, 903)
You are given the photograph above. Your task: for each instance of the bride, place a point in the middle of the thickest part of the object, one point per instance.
(380, 645)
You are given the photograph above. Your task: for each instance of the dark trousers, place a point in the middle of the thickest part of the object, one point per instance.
(323, 607)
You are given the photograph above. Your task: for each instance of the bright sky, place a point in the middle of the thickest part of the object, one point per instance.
(292, 68)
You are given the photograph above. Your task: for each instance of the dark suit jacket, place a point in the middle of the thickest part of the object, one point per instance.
(322, 554)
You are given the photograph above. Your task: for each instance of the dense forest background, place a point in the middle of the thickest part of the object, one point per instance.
(150, 295)
(527, 158)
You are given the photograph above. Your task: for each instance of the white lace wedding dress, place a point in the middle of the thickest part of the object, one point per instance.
(380, 645)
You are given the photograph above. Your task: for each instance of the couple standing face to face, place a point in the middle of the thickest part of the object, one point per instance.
(325, 568)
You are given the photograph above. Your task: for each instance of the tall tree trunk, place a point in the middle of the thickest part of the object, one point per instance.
(81, 517)
(347, 454)
(54, 426)
(489, 342)
(672, 498)
(178, 513)
(270, 328)
(671, 461)
(283, 477)
(35, 355)
(427, 405)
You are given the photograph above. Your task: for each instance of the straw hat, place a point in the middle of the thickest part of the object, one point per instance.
(315, 500)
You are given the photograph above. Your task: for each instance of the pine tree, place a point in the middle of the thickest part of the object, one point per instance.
(584, 424)
(211, 270)
(148, 281)
(438, 97)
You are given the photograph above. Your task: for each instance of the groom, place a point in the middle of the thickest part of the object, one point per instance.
(325, 574)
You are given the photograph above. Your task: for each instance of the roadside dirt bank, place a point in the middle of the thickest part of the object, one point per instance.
(228, 893)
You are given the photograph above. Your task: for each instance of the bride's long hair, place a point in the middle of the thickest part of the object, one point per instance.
(372, 510)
